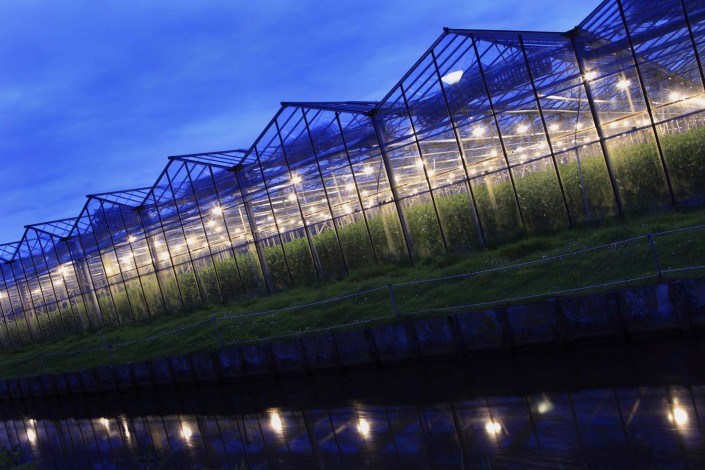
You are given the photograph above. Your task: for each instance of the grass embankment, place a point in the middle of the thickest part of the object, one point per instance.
(620, 262)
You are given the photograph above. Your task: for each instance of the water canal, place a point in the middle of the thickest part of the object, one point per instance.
(634, 405)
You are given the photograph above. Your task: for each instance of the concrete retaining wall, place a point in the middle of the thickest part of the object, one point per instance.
(666, 309)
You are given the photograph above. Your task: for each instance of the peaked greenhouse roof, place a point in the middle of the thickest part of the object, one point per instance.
(489, 135)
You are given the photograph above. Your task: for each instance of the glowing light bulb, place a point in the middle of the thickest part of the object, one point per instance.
(296, 179)
(493, 427)
(675, 96)
(478, 131)
(31, 435)
(186, 432)
(591, 75)
(623, 84)
(349, 187)
(554, 127)
(522, 129)
(217, 210)
(105, 422)
(367, 170)
(275, 422)
(452, 78)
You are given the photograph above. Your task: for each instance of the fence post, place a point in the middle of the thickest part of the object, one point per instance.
(650, 236)
(217, 333)
(105, 343)
(391, 297)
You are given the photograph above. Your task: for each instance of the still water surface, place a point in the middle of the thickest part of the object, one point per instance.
(632, 406)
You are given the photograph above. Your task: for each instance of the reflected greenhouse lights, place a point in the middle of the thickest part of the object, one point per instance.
(591, 75)
(125, 427)
(493, 427)
(544, 406)
(296, 179)
(675, 96)
(522, 129)
(105, 423)
(186, 432)
(479, 131)
(363, 426)
(275, 421)
(452, 78)
(31, 436)
(217, 210)
(679, 416)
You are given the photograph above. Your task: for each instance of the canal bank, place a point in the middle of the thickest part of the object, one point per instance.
(636, 314)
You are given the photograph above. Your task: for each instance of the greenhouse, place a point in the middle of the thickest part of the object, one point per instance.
(490, 135)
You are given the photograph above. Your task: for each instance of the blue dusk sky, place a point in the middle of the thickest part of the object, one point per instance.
(95, 94)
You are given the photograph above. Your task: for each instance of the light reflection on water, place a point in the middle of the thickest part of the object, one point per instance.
(602, 427)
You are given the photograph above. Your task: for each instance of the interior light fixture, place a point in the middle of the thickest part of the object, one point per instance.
(478, 131)
(452, 78)
(623, 84)
(296, 179)
(217, 210)
(591, 75)
(522, 129)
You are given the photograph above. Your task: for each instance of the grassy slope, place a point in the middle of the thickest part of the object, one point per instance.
(611, 264)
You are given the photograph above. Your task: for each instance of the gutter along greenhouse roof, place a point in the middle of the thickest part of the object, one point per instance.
(489, 135)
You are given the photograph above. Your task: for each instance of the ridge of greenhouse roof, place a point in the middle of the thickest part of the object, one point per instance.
(499, 32)
(62, 228)
(132, 198)
(226, 159)
(357, 107)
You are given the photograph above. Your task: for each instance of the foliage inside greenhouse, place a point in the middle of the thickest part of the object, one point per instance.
(490, 136)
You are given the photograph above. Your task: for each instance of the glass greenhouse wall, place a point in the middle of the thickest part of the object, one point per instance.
(489, 136)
